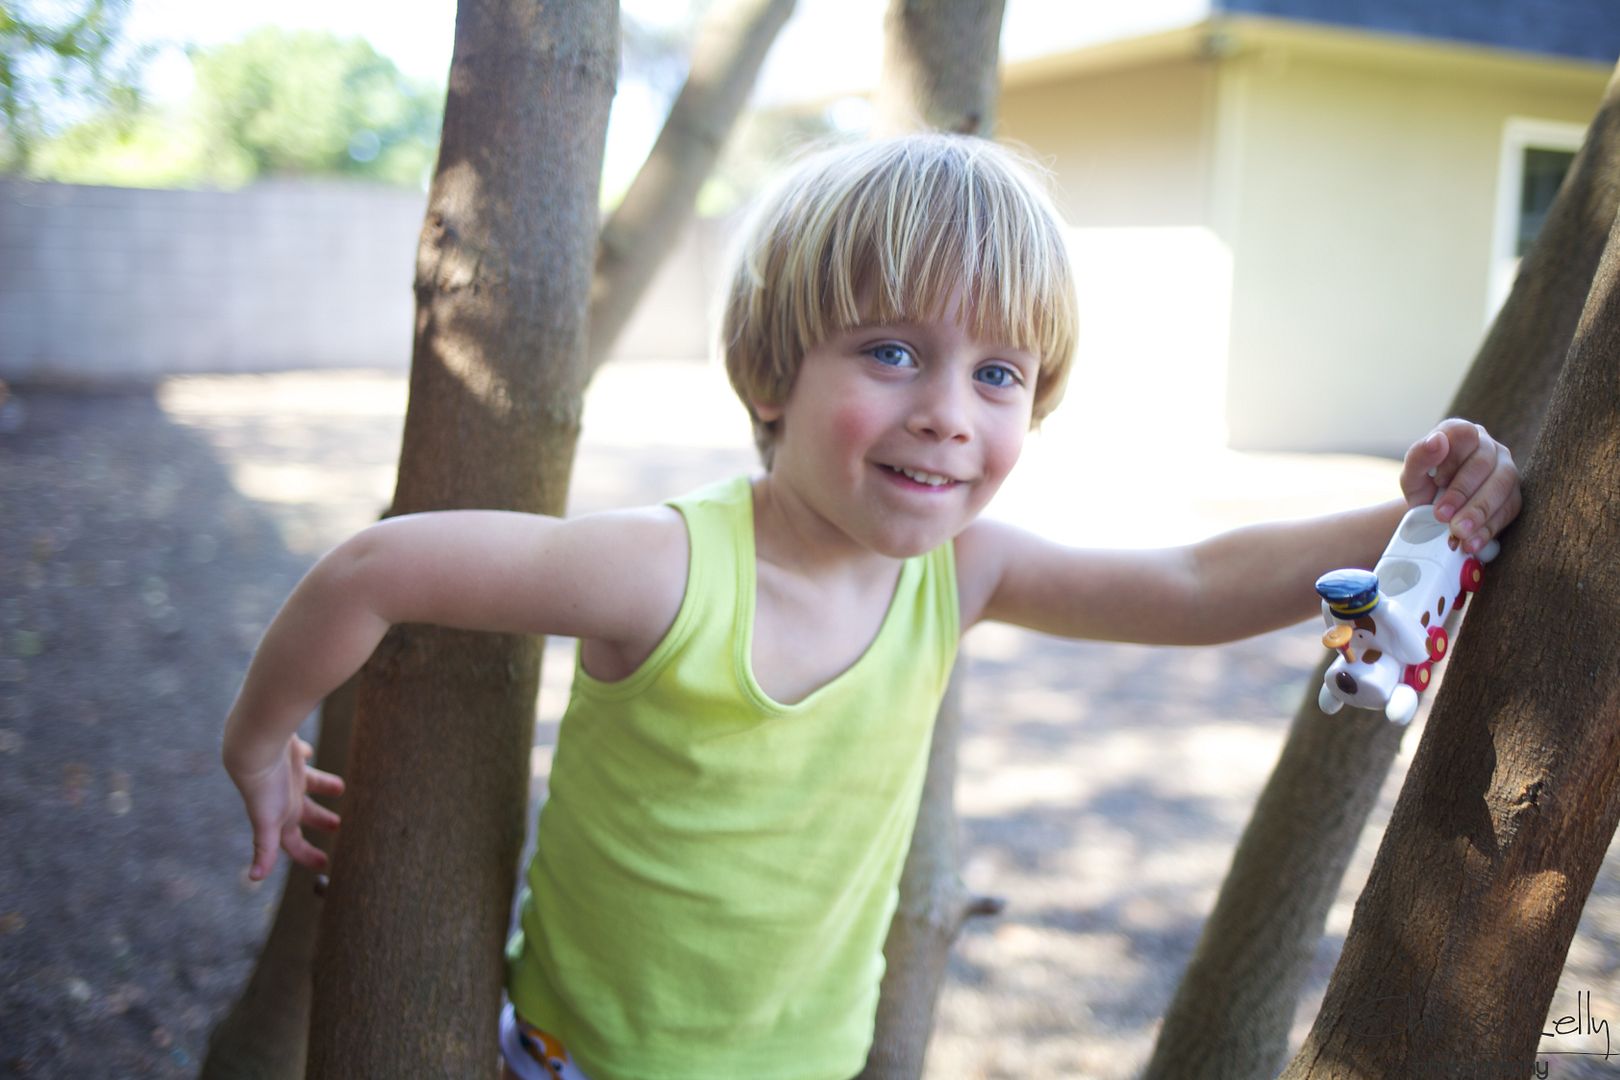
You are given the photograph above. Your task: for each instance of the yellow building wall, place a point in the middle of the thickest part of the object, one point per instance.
(1357, 191)
(1129, 146)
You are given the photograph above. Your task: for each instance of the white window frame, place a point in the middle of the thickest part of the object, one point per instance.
(1519, 133)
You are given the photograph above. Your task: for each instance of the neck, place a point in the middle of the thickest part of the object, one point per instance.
(791, 536)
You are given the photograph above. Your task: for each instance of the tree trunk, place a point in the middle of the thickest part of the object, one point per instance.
(1232, 1011)
(933, 907)
(940, 66)
(1459, 937)
(939, 71)
(265, 1035)
(730, 47)
(408, 973)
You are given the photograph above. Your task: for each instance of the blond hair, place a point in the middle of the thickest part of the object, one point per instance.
(900, 225)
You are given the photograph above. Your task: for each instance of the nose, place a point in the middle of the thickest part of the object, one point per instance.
(942, 411)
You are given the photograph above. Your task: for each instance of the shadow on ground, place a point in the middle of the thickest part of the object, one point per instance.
(136, 580)
(146, 539)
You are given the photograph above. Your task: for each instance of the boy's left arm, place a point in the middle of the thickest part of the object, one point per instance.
(1239, 583)
(1259, 578)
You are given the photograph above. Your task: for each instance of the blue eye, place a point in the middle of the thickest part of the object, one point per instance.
(891, 355)
(998, 375)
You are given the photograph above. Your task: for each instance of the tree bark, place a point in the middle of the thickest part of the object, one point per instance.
(1232, 1011)
(264, 1037)
(1459, 937)
(940, 66)
(939, 71)
(408, 973)
(933, 907)
(730, 47)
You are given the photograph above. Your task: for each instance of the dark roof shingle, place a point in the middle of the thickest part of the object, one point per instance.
(1585, 29)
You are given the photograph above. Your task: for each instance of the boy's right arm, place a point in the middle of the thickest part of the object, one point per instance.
(616, 577)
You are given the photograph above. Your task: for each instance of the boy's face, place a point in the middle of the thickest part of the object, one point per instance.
(897, 436)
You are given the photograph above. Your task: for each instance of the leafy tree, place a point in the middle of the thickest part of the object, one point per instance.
(282, 102)
(59, 62)
(275, 103)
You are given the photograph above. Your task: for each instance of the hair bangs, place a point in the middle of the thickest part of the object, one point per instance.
(908, 229)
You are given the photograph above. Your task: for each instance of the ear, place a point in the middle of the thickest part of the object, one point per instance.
(768, 412)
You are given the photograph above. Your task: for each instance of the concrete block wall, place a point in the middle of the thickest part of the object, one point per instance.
(104, 283)
(120, 283)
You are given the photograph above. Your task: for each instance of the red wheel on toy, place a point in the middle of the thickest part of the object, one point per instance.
(1473, 572)
(1417, 676)
(1438, 643)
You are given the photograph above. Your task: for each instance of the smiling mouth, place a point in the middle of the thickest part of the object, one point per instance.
(918, 476)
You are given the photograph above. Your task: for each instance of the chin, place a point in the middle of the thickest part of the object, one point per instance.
(906, 545)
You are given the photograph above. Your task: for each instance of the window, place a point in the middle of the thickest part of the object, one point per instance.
(1536, 156)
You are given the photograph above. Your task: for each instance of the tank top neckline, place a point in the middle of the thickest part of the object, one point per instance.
(747, 606)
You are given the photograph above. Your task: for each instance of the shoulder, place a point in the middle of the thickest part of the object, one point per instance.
(981, 552)
(994, 558)
(635, 562)
(1011, 575)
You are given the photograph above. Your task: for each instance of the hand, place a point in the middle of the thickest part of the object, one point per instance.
(279, 805)
(1470, 478)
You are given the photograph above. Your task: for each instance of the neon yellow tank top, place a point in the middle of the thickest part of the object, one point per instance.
(715, 871)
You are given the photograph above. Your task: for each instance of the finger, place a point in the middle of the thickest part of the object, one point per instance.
(1500, 519)
(319, 817)
(305, 750)
(301, 851)
(1468, 478)
(264, 853)
(1417, 480)
(1473, 493)
(1492, 494)
(317, 782)
(1463, 441)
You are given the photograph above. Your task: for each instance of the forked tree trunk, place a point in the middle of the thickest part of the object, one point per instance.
(1232, 1011)
(1512, 799)
(726, 57)
(939, 72)
(264, 1037)
(408, 974)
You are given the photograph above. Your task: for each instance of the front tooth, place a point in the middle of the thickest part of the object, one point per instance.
(931, 479)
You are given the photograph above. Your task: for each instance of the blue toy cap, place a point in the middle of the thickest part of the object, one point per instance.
(1349, 593)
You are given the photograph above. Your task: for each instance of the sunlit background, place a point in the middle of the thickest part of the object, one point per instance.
(1290, 235)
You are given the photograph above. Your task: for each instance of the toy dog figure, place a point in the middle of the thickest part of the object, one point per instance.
(1391, 626)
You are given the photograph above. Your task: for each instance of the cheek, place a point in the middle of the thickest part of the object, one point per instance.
(854, 423)
(1003, 448)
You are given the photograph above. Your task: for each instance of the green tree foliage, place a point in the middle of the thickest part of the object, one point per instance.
(284, 102)
(62, 61)
(275, 103)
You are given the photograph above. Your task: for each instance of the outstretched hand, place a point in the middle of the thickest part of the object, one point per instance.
(1470, 478)
(279, 806)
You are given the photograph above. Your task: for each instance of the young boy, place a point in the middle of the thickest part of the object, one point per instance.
(760, 662)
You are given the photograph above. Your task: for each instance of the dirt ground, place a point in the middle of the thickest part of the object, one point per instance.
(147, 535)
